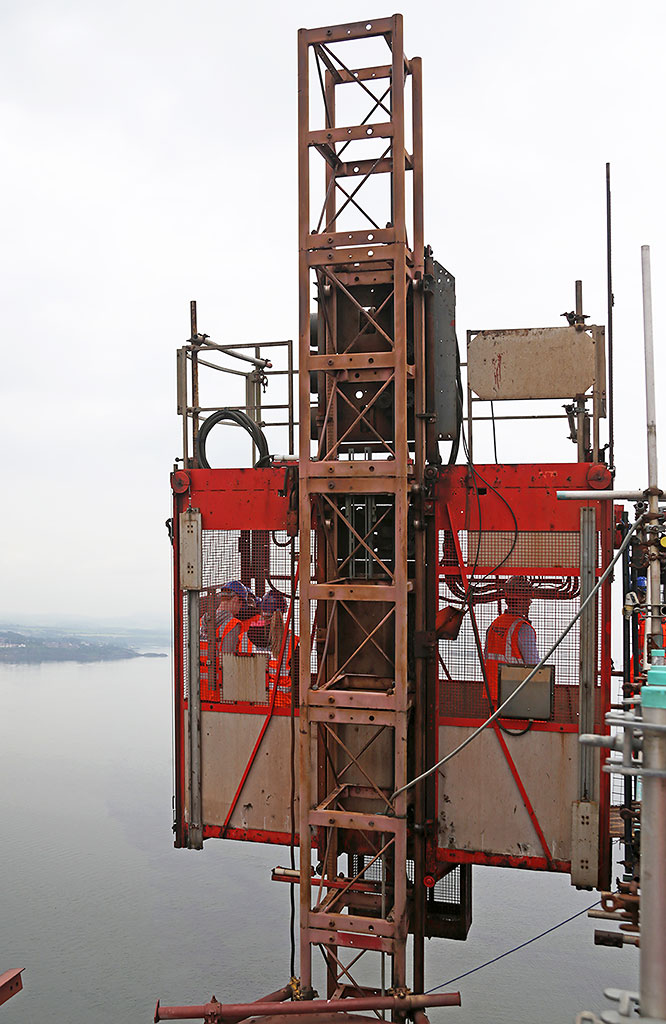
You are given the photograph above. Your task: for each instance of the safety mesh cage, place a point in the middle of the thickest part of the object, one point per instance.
(529, 601)
(245, 603)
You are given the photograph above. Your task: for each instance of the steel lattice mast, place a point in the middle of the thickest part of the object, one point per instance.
(363, 261)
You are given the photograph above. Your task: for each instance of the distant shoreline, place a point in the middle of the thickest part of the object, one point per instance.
(38, 646)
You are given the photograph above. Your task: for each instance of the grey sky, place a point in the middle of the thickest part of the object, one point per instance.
(149, 157)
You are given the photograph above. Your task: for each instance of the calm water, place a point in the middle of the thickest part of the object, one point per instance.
(106, 916)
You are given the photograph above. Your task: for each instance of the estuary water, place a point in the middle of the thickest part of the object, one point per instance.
(106, 917)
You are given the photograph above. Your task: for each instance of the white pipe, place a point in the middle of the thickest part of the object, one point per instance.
(600, 495)
(653, 821)
(654, 573)
(653, 872)
(650, 405)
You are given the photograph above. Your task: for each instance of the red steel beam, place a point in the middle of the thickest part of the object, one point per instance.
(222, 1012)
(10, 984)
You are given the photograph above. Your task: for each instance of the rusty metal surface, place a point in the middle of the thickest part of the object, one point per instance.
(337, 1009)
(10, 983)
(354, 249)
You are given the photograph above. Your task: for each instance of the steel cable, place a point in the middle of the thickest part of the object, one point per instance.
(515, 949)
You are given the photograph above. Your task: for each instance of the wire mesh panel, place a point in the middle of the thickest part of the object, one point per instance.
(247, 593)
(532, 603)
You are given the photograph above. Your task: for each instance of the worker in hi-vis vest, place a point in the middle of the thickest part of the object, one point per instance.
(273, 607)
(233, 613)
(511, 639)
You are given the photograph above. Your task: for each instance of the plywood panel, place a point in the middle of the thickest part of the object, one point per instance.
(244, 678)
(544, 362)
(227, 741)
(480, 807)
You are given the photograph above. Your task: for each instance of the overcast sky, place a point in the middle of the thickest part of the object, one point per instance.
(149, 157)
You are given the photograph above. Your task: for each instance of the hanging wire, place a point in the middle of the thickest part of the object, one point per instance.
(515, 948)
(475, 474)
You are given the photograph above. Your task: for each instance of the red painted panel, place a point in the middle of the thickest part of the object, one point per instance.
(233, 499)
(529, 489)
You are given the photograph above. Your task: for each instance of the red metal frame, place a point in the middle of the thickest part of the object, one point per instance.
(229, 499)
(531, 492)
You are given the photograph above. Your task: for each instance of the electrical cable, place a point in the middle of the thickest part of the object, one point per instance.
(499, 565)
(241, 419)
(515, 948)
(595, 590)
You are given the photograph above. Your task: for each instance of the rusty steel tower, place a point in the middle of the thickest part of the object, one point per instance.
(361, 458)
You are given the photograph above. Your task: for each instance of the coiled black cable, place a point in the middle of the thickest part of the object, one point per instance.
(242, 420)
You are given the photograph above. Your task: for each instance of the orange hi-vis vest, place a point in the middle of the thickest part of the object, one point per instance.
(502, 646)
(244, 646)
(283, 681)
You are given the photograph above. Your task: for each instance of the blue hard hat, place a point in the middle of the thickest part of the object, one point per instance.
(273, 601)
(641, 582)
(236, 587)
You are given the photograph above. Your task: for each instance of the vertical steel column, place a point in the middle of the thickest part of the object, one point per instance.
(190, 572)
(654, 571)
(195, 385)
(423, 584)
(355, 711)
(305, 513)
(194, 832)
(653, 815)
(653, 855)
(588, 640)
